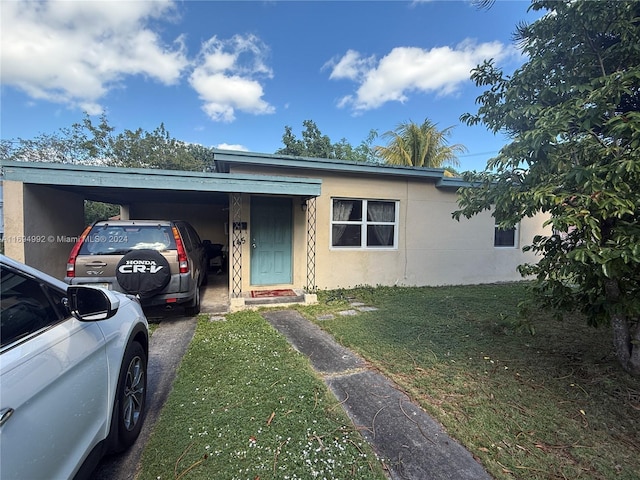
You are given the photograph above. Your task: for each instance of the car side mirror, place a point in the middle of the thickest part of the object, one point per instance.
(88, 303)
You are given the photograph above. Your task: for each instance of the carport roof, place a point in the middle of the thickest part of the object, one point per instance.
(110, 183)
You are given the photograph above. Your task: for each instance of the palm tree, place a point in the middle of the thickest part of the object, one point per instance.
(419, 146)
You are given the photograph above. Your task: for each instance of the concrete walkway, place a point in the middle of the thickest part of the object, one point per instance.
(411, 443)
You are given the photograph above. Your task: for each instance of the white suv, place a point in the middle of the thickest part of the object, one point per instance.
(73, 374)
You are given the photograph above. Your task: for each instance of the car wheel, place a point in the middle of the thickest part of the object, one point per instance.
(194, 308)
(130, 402)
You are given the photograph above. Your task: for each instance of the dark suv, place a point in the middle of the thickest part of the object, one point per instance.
(162, 262)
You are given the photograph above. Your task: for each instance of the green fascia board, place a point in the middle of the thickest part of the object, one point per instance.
(454, 183)
(99, 176)
(224, 158)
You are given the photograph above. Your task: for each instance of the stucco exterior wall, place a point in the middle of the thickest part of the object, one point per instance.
(433, 248)
(41, 225)
(443, 251)
(12, 195)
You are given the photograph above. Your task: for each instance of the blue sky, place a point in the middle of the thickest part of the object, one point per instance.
(234, 74)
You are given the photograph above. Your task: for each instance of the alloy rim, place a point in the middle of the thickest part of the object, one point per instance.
(133, 393)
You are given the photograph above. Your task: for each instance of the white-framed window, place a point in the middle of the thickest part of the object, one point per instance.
(505, 237)
(359, 223)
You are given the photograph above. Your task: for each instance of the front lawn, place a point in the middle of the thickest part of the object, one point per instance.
(531, 398)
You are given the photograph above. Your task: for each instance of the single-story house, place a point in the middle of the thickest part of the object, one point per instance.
(286, 222)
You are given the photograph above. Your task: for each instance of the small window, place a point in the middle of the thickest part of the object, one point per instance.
(26, 306)
(505, 237)
(364, 223)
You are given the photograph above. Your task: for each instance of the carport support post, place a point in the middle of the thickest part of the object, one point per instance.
(311, 245)
(310, 295)
(237, 241)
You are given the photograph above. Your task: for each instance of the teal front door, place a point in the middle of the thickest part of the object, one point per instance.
(270, 240)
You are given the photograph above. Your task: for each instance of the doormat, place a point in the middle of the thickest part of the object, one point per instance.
(272, 293)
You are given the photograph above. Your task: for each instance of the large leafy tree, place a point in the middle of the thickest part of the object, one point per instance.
(96, 143)
(315, 144)
(419, 145)
(572, 113)
(155, 149)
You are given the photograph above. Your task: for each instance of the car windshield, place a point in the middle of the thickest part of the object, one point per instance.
(120, 239)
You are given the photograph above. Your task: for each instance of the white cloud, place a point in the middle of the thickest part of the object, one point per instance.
(351, 66)
(232, 146)
(226, 77)
(74, 52)
(404, 70)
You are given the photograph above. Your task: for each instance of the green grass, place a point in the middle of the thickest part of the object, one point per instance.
(531, 398)
(153, 327)
(245, 405)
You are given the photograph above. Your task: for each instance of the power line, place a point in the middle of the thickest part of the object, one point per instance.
(478, 154)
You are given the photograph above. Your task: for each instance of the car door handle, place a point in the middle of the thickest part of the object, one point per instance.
(5, 414)
(96, 263)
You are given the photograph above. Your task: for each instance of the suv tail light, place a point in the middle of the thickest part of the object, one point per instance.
(71, 263)
(183, 262)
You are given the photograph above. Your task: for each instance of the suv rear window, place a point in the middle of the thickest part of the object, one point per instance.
(120, 239)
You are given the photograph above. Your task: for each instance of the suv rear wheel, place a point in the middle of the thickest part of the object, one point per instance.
(194, 308)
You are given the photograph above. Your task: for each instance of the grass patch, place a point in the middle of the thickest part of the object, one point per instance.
(530, 398)
(245, 405)
(153, 327)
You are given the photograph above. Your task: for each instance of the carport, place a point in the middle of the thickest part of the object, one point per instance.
(44, 209)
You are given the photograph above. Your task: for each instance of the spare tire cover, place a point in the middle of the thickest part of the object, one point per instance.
(143, 272)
